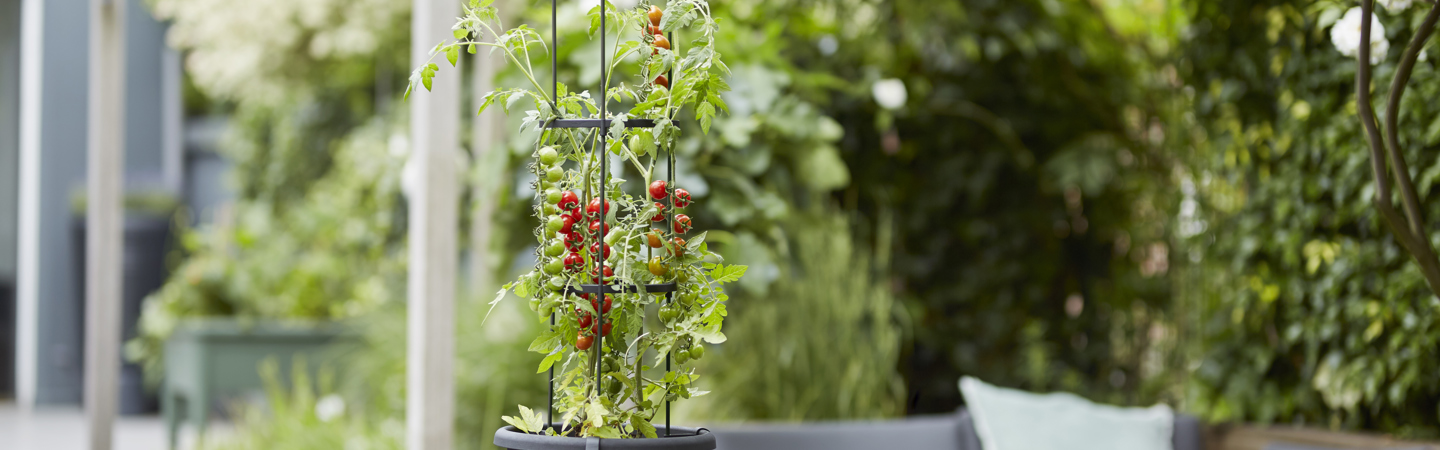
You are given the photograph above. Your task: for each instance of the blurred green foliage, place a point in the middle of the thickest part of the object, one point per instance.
(1135, 200)
(317, 228)
(1027, 179)
(301, 413)
(336, 252)
(825, 345)
(1307, 310)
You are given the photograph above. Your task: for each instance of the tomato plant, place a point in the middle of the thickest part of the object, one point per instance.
(612, 389)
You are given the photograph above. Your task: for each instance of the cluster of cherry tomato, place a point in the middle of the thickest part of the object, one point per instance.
(685, 350)
(660, 41)
(588, 326)
(681, 224)
(573, 226)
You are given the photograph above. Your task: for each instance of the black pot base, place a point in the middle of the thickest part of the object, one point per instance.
(680, 438)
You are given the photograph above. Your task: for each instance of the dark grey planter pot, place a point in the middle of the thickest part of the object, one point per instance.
(681, 438)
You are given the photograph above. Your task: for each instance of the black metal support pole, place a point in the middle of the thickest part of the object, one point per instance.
(555, 86)
(600, 233)
(670, 185)
(554, 56)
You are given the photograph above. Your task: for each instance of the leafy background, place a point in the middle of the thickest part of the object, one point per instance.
(1136, 200)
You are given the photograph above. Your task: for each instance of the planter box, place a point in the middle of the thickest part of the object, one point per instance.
(207, 360)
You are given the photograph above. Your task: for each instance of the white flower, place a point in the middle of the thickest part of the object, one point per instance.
(828, 45)
(889, 93)
(1346, 36)
(1396, 5)
(329, 407)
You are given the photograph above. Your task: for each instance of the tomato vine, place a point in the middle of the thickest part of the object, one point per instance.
(609, 390)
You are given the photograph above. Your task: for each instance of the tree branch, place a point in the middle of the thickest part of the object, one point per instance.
(1410, 233)
(1367, 112)
(1392, 115)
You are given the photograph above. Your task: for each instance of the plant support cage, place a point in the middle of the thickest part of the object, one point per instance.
(600, 123)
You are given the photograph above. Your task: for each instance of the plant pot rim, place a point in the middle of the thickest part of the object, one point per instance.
(682, 438)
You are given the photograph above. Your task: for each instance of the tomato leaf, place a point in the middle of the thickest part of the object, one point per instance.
(596, 413)
(546, 342)
(706, 113)
(643, 426)
(725, 274)
(607, 433)
(517, 423)
(513, 99)
(549, 361)
(489, 99)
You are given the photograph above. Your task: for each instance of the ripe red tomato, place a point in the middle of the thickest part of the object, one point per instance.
(679, 246)
(606, 269)
(662, 42)
(657, 190)
(655, 15)
(682, 223)
(653, 239)
(567, 223)
(574, 262)
(602, 309)
(585, 321)
(605, 329)
(608, 273)
(662, 81)
(682, 198)
(574, 241)
(595, 227)
(652, 29)
(568, 201)
(659, 215)
(592, 210)
(584, 342)
(600, 248)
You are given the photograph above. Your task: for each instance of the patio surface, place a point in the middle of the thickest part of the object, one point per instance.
(63, 428)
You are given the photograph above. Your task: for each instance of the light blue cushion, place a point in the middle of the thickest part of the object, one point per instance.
(1008, 419)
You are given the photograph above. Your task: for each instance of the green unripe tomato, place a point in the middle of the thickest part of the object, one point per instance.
(635, 145)
(553, 224)
(682, 356)
(697, 352)
(689, 298)
(550, 209)
(552, 196)
(554, 174)
(556, 284)
(553, 266)
(613, 385)
(535, 304)
(667, 314)
(548, 156)
(556, 248)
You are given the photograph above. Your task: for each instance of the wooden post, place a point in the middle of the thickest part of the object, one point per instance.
(27, 282)
(434, 204)
(104, 217)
